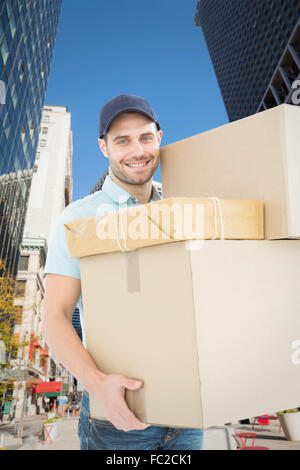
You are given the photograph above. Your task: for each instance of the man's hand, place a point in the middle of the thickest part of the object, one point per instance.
(111, 393)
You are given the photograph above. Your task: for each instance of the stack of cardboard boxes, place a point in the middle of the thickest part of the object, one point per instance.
(209, 321)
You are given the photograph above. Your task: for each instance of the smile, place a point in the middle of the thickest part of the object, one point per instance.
(136, 165)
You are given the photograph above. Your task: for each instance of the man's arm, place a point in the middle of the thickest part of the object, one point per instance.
(61, 296)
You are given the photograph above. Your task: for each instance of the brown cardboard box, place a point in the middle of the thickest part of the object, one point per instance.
(211, 327)
(165, 221)
(254, 158)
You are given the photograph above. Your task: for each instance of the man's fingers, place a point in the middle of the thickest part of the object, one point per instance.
(131, 423)
(127, 421)
(118, 412)
(131, 384)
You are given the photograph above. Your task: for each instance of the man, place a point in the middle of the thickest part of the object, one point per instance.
(130, 138)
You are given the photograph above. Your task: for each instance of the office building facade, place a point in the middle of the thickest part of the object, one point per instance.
(247, 42)
(27, 36)
(52, 182)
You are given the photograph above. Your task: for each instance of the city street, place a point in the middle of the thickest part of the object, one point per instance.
(33, 425)
(268, 436)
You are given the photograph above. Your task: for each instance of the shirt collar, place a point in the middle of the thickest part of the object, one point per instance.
(119, 195)
(114, 191)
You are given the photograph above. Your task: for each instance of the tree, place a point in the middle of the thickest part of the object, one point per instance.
(8, 315)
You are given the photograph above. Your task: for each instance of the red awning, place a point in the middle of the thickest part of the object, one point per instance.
(47, 387)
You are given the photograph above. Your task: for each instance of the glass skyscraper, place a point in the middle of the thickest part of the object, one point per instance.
(27, 36)
(255, 50)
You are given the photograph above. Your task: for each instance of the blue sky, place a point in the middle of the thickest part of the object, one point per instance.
(147, 48)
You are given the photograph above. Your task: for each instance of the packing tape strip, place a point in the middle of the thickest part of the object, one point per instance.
(133, 271)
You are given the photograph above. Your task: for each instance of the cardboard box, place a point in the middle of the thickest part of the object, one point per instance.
(211, 329)
(164, 221)
(254, 158)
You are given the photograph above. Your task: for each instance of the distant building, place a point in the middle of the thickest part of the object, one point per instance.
(255, 50)
(51, 191)
(27, 37)
(100, 182)
(52, 184)
(76, 322)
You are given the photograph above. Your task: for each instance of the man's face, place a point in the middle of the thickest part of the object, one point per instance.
(132, 146)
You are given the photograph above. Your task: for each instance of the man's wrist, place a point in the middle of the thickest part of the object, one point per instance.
(95, 380)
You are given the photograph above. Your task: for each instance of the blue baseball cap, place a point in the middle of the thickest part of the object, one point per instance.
(124, 104)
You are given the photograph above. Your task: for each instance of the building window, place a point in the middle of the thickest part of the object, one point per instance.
(8, 8)
(23, 263)
(21, 72)
(23, 134)
(46, 118)
(20, 288)
(45, 130)
(14, 97)
(43, 143)
(4, 51)
(12, 25)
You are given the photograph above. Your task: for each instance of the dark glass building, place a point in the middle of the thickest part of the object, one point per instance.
(27, 36)
(76, 322)
(255, 50)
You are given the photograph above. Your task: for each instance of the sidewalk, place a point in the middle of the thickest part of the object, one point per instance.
(267, 436)
(67, 439)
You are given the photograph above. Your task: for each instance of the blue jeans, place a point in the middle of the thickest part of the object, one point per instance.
(95, 434)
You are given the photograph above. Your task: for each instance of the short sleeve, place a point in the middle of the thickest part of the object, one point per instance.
(58, 259)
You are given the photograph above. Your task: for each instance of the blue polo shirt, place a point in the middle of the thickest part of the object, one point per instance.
(110, 198)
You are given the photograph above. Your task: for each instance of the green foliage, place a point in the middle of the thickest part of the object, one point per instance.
(292, 410)
(8, 315)
(8, 311)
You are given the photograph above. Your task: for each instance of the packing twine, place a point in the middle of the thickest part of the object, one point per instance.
(123, 233)
(217, 204)
(217, 208)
